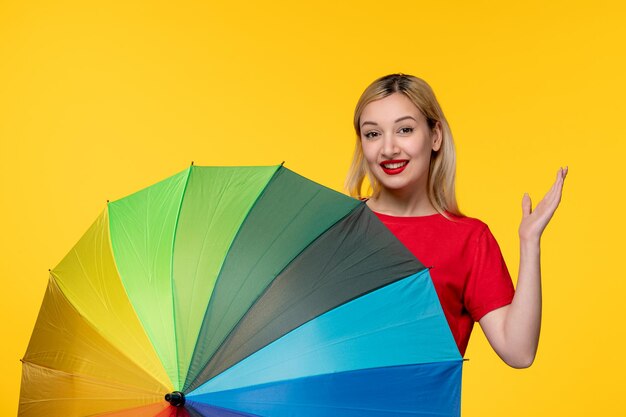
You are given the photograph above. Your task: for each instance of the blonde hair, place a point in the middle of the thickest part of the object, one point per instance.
(441, 175)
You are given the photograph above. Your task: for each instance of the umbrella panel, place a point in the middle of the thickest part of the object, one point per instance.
(425, 390)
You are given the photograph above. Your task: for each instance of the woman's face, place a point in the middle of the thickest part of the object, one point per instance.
(397, 143)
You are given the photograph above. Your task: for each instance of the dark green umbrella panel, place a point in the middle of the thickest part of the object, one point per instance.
(240, 291)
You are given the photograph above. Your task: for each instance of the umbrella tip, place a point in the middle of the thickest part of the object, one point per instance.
(176, 398)
(282, 163)
(191, 163)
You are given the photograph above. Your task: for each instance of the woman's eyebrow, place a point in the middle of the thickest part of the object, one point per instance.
(397, 121)
(404, 118)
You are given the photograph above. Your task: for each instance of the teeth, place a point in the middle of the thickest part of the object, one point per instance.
(395, 165)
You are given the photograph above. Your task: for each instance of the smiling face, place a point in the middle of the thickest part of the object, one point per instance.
(397, 144)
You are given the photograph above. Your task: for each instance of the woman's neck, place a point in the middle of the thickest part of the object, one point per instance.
(402, 205)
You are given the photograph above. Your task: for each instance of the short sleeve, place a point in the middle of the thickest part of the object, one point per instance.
(489, 285)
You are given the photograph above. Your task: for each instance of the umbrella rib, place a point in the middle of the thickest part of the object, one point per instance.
(180, 206)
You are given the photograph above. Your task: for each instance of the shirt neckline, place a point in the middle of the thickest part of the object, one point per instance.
(394, 217)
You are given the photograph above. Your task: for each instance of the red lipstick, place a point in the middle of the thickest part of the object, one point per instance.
(394, 166)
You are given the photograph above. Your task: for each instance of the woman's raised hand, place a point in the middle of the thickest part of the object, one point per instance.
(535, 221)
(513, 330)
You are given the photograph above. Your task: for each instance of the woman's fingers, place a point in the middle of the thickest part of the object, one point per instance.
(535, 221)
(553, 196)
(527, 206)
(558, 184)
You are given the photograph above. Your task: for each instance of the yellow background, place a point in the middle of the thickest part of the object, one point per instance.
(99, 99)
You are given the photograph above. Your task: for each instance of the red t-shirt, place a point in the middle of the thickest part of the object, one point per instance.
(467, 267)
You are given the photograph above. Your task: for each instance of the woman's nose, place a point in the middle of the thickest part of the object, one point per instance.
(390, 146)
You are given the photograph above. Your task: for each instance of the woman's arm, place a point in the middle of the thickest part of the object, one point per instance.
(513, 330)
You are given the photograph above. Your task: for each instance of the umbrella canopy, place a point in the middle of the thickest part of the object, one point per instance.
(240, 291)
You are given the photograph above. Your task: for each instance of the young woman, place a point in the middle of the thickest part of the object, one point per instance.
(405, 149)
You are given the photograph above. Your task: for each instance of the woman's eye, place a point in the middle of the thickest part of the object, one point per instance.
(406, 130)
(370, 135)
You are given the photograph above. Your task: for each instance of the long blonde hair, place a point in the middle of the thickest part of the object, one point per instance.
(441, 175)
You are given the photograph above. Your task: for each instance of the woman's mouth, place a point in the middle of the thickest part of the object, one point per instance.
(394, 166)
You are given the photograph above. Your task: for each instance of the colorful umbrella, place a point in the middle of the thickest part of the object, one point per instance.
(240, 291)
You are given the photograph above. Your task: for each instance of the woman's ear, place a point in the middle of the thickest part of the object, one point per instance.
(437, 136)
